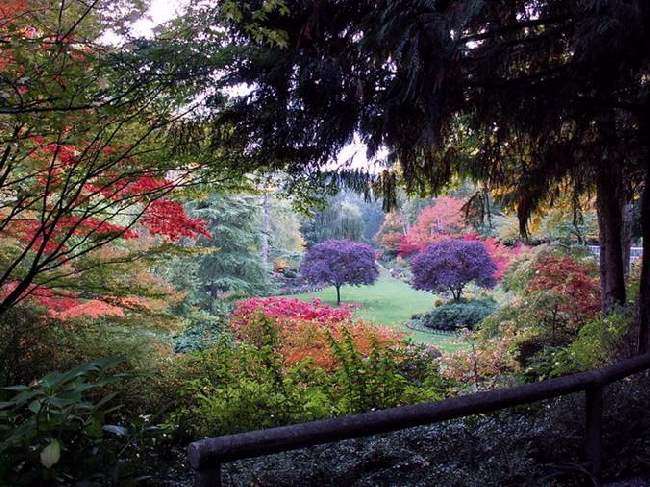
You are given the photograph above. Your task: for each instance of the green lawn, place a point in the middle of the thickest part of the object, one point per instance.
(389, 302)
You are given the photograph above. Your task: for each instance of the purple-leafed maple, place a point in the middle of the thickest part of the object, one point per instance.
(338, 262)
(450, 265)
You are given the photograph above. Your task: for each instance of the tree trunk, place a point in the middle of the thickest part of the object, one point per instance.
(644, 288)
(610, 220)
(266, 231)
(338, 295)
(626, 236)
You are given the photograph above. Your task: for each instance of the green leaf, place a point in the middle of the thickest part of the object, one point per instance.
(115, 429)
(35, 406)
(51, 454)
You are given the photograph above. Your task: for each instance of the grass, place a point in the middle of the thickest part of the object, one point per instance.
(389, 302)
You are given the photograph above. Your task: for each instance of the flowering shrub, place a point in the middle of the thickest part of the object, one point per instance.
(300, 330)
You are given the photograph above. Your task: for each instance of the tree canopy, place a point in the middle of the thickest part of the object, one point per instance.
(450, 265)
(531, 97)
(339, 262)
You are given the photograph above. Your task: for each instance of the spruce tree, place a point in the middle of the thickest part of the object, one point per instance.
(232, 265)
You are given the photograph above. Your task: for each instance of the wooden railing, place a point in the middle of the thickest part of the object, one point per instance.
(206, 456)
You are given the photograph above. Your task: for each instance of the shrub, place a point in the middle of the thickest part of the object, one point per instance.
(487, 362)
(519, 273)
(455, 315)
(32, 345)
(288, 308)
(203, 329)
(524, 268)
(236, 387)
(559, 294)
(300, 330)
(450, 265)
(597, 343)
(568, 277)
(54, 426)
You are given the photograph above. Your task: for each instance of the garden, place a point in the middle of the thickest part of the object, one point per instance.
(188, 250)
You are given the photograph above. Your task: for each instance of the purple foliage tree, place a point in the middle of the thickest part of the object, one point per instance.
(448, 266)
(338, 262)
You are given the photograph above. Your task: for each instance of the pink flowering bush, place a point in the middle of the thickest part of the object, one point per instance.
(287, 308)
(302, 330)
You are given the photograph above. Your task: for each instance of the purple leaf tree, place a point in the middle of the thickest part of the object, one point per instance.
(338, 262)
(450, 265)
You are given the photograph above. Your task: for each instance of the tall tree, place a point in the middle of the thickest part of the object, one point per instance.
(339, 220)
(549, 92)
(232, 265)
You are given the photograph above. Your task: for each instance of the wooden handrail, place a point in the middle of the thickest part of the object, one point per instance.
(207, 455)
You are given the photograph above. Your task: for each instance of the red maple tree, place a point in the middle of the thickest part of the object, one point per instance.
(81, 162)
(444, 219)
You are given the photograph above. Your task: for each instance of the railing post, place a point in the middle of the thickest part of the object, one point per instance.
(209, 477)
(594, 431)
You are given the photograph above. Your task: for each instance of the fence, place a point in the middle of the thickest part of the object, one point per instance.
(635, 252)
(206, 456)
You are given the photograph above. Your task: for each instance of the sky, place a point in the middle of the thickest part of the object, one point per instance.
(160, 11)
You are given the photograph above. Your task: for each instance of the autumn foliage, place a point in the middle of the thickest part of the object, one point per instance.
(284, 308)
(444, 219)
(305, 330)
(572, 279)
(79, 171)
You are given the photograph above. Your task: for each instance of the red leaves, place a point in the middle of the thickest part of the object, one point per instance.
(445, 220)
(168, 218)
(442, 220)
(140, 188)
(44, 296)
(93, 308)
(289, 308)
(35, 232)
(304, 329)
(65, 305)
(572, 279)
(65, 153)
(10, 9)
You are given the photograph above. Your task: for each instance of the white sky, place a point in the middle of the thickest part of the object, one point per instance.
(160, 11)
